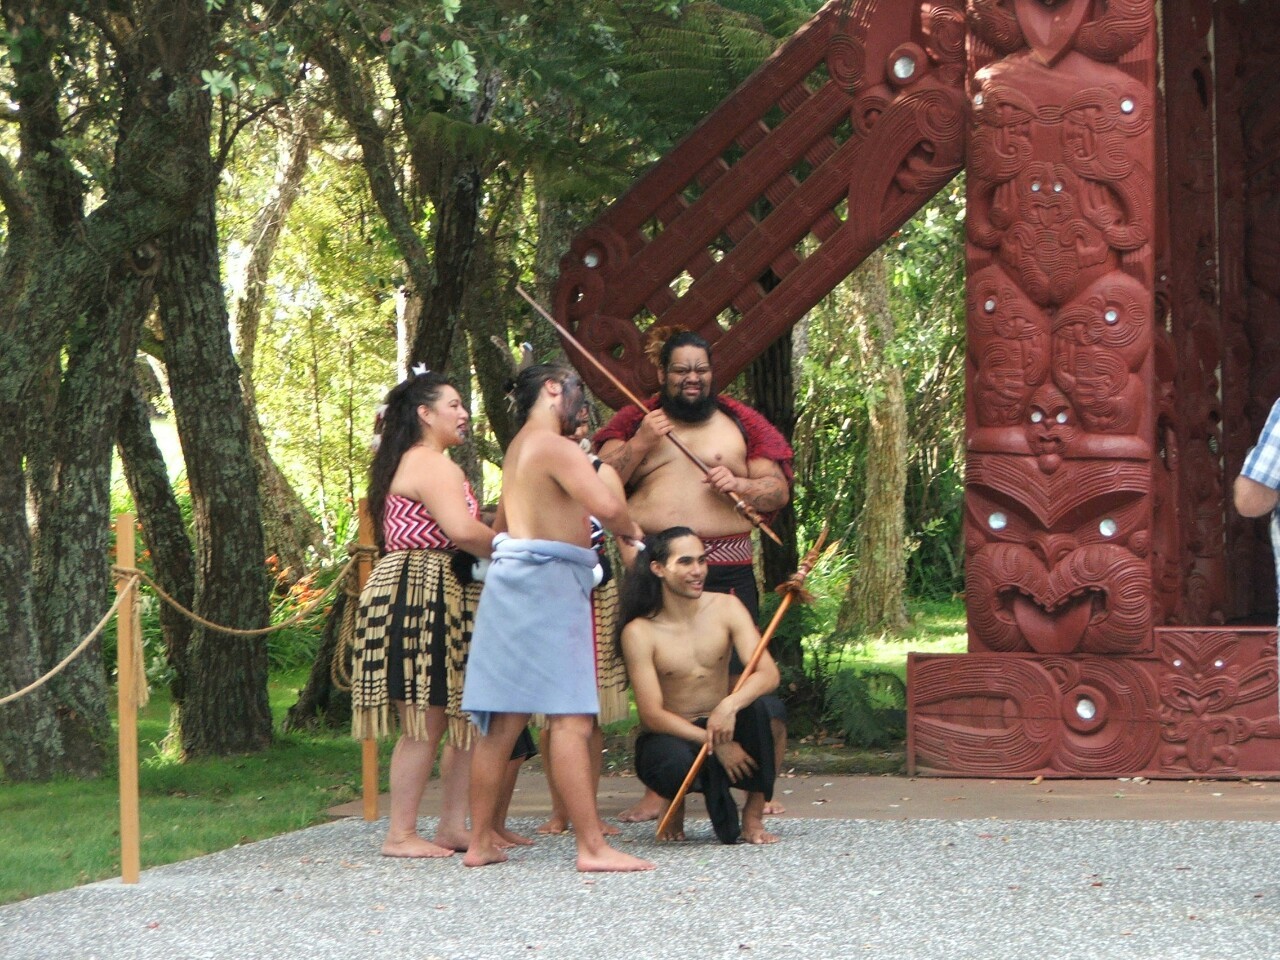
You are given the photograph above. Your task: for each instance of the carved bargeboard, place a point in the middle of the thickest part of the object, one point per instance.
(844, 133)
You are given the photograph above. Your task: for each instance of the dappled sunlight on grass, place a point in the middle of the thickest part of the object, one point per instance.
(935, 628)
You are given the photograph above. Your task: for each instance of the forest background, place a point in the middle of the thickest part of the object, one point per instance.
(236, 224)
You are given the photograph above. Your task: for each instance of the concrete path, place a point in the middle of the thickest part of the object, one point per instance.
(923, 869)
(899, 798)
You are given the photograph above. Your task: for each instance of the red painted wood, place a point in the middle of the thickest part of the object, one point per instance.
(743, 226)
(1123, 340)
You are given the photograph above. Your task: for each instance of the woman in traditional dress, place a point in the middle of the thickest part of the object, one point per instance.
(413, 630)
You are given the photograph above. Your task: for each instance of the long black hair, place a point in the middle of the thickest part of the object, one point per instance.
(641, 594)
(400, 430)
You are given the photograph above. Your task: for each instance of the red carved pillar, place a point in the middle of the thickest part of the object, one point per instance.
(1188, 279)
(1116, 347)
(1061, 374)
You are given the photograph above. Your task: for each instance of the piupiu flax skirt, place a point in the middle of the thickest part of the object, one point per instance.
(611, 672)
(412, 639)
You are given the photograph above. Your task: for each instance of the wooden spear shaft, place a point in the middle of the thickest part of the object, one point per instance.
(789, 590)
(742, 506)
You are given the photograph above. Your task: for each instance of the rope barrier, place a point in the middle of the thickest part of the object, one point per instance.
(135, 575)
(237, 631)
(340, 663)
(84, 645)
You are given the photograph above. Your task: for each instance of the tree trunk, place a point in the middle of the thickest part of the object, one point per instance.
(875, 596)
(289, 530)
(558, 222)
(164, 532)
(71, 556)
(493, 360)
(58, 267)
(457, 195)
(771, 385)
(225, 706)
(30, 741)
(321, 704)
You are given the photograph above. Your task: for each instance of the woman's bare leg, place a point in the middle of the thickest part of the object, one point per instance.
(411, 763)
(455, 786)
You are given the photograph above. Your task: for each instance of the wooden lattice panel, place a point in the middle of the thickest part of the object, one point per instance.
(774, 198)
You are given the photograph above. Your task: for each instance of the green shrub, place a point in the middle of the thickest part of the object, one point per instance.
(867, 707)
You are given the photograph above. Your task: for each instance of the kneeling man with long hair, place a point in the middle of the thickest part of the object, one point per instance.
(677, 641)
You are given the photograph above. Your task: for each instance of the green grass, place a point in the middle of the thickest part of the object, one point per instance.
(936, 627)
(63, 833)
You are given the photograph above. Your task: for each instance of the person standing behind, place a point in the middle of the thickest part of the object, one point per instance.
(532, 650)
(1257, 489)
(747, 456)
(413, 628)
(677, 640)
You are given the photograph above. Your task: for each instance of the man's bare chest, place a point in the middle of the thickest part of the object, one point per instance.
(717, 442)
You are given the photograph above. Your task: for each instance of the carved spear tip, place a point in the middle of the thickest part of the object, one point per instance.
(794, 584)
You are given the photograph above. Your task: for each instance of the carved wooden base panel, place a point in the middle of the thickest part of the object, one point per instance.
(1204, 705)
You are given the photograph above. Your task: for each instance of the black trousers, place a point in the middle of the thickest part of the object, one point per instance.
(663, 761)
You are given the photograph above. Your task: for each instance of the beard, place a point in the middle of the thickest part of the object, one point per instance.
(689, 411)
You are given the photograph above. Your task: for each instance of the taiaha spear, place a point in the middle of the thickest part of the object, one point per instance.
(793, 588)
(742, 506)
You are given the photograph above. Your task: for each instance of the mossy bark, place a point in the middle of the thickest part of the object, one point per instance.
(875, 598)
(224, 708)
(66, 291)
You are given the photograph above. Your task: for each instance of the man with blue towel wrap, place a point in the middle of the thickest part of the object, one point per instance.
(532, 650)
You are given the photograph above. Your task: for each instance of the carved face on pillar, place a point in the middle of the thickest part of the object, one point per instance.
(1058, 524)
(1050, 427)
(1056, 560)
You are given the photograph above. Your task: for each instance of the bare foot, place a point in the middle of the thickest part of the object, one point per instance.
(675, 826)
(457, 842)
(773, 809)
(756, 833)
(609, 830)
(555, 826)
(413, 846)
(609, 860)
(650, 807)
(508, 838)
(481, 857)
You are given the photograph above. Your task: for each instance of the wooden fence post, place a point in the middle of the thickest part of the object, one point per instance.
(368, 746)
(127, 706)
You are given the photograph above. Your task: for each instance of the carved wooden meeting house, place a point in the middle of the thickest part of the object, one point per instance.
(1123, 324)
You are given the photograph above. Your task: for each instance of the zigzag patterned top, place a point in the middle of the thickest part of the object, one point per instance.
(406, 524)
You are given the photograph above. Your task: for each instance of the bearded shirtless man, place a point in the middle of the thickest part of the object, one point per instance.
(677, 642)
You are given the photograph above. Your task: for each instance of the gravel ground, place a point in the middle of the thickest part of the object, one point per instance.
(831, 889)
